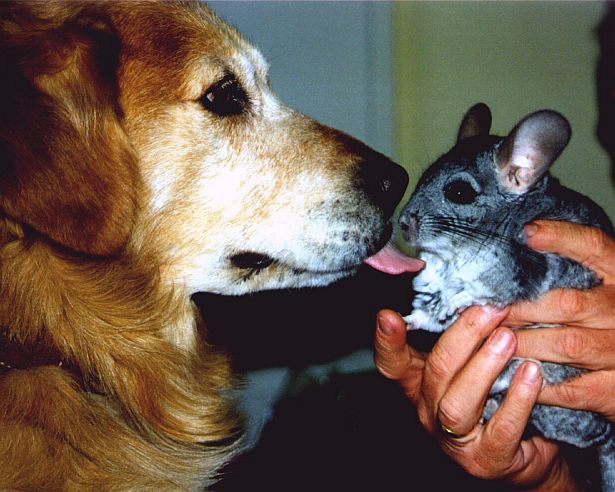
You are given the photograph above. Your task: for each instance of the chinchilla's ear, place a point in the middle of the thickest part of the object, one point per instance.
(476, 122)
(531, 147)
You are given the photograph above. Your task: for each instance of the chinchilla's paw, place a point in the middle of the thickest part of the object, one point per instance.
(422, 320)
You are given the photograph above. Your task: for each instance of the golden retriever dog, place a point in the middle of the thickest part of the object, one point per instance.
(144, 158)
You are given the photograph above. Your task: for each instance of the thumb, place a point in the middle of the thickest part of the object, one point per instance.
(394, 358)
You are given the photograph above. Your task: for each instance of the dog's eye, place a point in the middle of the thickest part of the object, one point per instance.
(460, 192)
(226, 97)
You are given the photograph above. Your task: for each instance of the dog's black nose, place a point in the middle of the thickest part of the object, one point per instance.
(384, 181)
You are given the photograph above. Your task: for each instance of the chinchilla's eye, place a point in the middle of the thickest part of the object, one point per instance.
(460, 192)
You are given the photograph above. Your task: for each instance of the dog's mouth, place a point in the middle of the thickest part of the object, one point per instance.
(251, 261)
(383, 257)
(254, 262)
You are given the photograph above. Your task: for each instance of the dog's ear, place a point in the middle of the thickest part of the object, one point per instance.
(67, 169)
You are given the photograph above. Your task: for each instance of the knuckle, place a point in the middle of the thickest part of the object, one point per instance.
(382, 365)
(597, 240)
(598, 394)
(382, 346)
(502, 429)
(476, 323)
(571, 303)
(392, 364)
(438, 364)
(574, 344)
(569, 393)
(451, 414)
(385, 368)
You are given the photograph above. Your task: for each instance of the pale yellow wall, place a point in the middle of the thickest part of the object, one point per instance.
(515, 56)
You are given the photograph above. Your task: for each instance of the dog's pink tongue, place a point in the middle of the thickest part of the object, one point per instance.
(392, 261)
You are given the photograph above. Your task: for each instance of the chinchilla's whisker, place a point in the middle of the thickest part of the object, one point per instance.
(483, 238)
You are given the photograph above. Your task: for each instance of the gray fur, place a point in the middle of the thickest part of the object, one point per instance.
(466, 217)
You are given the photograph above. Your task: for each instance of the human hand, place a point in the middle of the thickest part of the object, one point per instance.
(449, 387)
(588, 338)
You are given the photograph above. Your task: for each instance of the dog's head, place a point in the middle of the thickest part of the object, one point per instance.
(152, 126)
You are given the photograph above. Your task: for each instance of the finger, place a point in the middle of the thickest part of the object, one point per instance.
(394, 358)
(451, 354)
(461, 407)
(581, 347)
(498, 451)
(590, 391)
(587, 245)
(505, 429)
(594, 308)
(536, 461)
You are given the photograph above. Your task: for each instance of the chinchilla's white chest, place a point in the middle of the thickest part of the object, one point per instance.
(446, 286)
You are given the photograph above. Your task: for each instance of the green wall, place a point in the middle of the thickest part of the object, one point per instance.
(515, 56)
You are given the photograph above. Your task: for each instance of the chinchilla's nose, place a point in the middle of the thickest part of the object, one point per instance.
(408, 222)
(384, 181)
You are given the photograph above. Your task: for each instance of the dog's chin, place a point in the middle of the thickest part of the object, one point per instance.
(281, 276)
(259, 271)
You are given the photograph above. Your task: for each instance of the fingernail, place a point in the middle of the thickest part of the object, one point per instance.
(500, 341)
(531, 372)
(492, 309)
(530, 230)
(383, 326)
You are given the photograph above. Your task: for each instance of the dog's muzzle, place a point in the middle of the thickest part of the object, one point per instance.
(384, 181)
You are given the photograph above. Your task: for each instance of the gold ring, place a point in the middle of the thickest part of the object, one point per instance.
(449, 434)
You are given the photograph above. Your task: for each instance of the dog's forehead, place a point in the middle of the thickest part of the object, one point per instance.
(181, 38)
(167, 25)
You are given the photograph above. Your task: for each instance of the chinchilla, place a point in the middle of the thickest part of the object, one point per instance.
(466, 219)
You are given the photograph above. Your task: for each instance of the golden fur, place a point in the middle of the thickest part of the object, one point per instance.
(120, 197)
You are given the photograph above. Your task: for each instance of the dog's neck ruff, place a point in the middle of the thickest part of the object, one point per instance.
(15, 356)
